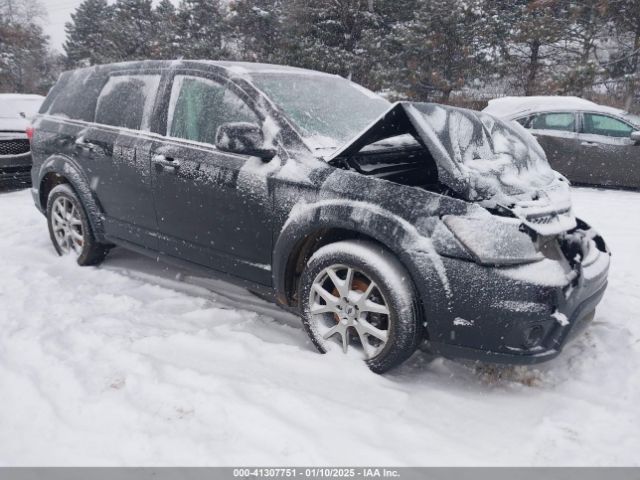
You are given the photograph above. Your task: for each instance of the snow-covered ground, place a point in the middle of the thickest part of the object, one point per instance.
(134, 364)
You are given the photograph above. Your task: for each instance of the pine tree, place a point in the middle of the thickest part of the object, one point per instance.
(22, 11)
(436, 51)
(202, 29)
(528, 35)
(588, 26)
(25, 64)
(166, 41)
(259, 31)
(89, 34)
(133, 29)
(332, 36)
(623, 65)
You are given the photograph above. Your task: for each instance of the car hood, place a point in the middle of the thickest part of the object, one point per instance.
(13, 124)
(482, 159)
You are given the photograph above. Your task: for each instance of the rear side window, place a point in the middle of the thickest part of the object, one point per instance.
(127, 101)
(74, 95)
(199, 106)
(565, 122)
(605, 125)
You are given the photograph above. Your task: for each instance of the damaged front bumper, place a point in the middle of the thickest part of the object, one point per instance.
(525, 314)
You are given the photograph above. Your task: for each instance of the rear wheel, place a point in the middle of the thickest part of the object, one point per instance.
(355, 296)
(69, 227)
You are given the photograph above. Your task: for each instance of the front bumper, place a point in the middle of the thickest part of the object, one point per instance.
(523, 314)
(15, 170)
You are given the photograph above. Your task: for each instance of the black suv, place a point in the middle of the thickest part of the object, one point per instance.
(383, 225)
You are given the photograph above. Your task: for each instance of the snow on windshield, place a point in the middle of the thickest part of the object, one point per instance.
(327, 110)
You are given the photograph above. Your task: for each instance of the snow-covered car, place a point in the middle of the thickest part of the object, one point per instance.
(15, 158)
(590, 144)
(383, 225)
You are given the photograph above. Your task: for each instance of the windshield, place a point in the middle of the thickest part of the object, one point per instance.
(326, 110)
(635, 119)
(11, 108)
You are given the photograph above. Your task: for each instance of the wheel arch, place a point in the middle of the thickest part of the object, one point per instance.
(313, 226)
(58, 170)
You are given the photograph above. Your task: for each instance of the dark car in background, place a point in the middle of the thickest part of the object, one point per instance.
(15, 157)
(383, 225)
(590, 144)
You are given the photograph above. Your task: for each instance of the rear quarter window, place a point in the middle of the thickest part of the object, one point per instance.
(524, 121)
(561, 121)
(75, 95)
(127, 101)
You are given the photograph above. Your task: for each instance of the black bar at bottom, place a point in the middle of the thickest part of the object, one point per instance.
(365, 473)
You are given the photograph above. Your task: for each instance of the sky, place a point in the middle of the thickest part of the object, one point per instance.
(58, 13)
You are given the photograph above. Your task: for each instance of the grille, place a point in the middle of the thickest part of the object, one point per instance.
(15, 170)
(546, 219)
(14, 146)
(541, 220)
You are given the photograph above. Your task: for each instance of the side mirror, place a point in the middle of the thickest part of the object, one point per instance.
(244, 138)
(23, 115)
(635, 136)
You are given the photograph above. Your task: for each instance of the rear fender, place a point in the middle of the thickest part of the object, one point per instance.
(69, 169)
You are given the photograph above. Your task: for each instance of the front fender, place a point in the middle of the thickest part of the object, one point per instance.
(68, 168)
(414, 249)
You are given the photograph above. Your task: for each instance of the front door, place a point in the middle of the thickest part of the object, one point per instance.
(557, 134)
(209, 209)
(613, 159)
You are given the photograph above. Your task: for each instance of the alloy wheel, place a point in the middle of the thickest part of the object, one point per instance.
(346, 305)
(67, 226)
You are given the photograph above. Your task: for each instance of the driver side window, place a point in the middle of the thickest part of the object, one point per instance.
(605, 125)
(198, 106)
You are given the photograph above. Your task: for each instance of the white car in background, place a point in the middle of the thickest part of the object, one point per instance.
(15, 154)
(588, 143)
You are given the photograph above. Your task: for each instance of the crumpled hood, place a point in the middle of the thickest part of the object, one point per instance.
(483, 159)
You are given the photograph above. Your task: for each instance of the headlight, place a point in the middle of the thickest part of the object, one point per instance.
(493, 240)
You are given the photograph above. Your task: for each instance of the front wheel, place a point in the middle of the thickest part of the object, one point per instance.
(355, 295)
(69, 227)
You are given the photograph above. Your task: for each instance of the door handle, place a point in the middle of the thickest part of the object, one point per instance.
(163, 162)
(589, 144)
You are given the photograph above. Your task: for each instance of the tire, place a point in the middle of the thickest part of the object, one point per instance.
(79, 239)
(332, 319)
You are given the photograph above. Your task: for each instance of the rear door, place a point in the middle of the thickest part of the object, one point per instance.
(557, 134)
(213, 208)
(116, 158)
(612, 158)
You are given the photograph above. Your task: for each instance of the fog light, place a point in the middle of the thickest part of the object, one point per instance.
(533, 336)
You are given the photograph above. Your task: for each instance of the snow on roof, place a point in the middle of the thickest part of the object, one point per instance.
(512, 107)
(250, 67)
(237, 68)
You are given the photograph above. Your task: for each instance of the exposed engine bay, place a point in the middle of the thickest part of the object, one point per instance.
(467, 155)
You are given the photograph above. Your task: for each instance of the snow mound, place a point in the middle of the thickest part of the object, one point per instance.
(136, 363)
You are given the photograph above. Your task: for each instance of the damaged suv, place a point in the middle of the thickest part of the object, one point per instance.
(385, 226)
